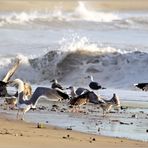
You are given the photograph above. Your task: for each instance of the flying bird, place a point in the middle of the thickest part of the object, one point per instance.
(40, 92)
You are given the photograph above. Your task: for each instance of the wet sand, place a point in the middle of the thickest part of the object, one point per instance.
(16, 134)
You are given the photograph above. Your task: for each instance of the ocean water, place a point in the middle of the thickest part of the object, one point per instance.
(73, 42)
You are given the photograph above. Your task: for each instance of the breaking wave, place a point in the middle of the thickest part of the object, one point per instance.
(71, 63)
(80, 13)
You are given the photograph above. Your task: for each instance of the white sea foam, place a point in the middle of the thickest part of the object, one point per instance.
(75, 59)
(81, 13)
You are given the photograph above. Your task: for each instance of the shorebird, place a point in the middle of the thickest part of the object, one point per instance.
(86, 96)
(55, 84)
(143, 86)
(40, 92)
(80, 100)
(106, 105)
(94, 85)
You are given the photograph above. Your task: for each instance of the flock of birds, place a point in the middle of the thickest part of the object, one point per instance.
(76, 98)
(25, 100)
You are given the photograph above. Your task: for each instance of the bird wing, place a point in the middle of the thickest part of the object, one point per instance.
(11, 71)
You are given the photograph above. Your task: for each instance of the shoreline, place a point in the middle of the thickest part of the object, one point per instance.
(27, 134)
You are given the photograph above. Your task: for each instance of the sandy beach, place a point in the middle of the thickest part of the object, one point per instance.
(18, 134)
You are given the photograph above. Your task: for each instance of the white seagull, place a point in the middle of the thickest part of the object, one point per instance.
(40, 92)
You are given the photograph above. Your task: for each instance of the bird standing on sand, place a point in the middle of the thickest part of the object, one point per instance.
(76, 92)
(55, 84)
(40, 92)
(23, 105)
(94, 85)
(106, 105)
(93, 98)
(78, 101)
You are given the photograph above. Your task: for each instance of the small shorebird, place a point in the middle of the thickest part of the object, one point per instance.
(106, 105)
(80, 100)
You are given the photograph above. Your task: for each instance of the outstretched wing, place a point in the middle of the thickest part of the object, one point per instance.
(11, 71)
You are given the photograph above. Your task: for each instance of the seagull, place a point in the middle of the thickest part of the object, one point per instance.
(76, 92)
(40, 92)
(94, 85)
(55, 84)
(143, 86)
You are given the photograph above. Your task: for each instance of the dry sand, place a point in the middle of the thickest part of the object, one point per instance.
(18, 134)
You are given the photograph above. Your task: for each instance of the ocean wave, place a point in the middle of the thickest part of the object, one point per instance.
(111, 69)
(77, 58)
(80, 13)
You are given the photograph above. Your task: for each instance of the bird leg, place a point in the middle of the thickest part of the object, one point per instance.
(17, 116)
(23, 116)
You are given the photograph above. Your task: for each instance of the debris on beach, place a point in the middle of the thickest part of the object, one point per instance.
(40, 125)
(69, 128)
